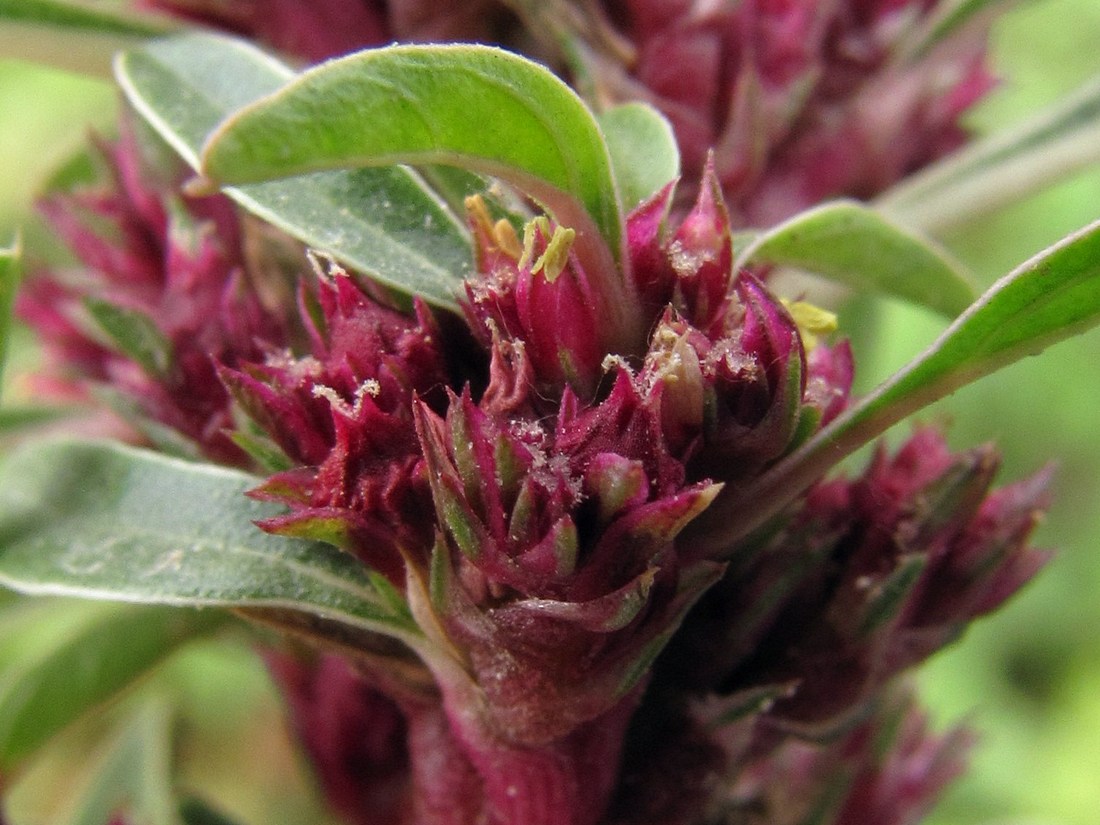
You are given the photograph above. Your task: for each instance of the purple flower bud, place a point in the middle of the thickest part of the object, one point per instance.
(887, 770)
(156, 303)
(541, 295)
(345, 412)
(869, 577)
(800, 100)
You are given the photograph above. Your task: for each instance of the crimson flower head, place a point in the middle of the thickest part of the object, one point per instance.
(343, 418)
(162, 293)
(802, 100)
(538, 293)
(869, 577)
(529, 477)
(545, 498)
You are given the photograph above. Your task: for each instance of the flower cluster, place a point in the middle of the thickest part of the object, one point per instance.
(529, 474)
(801, 100)
(527, 482)
(319, 29)
(162, 293)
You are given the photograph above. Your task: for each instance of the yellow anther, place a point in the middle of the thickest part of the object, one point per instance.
(811, 320)
(479, 213)
(506, 239)
(501, 234)
(530, 234)
(556, 257)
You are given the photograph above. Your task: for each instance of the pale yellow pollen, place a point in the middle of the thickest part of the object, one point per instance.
(530, 234)
(479, 212)
(324, 266)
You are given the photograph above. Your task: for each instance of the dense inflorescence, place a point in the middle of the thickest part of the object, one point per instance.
(526, 482)
(528, 473)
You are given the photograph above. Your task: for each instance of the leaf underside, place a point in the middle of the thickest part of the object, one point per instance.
(383, 222)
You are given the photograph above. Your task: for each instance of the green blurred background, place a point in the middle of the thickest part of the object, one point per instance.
(1028, 679)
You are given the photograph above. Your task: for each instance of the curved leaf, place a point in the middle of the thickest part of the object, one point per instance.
(1054, 296)
(89, 18)
(644, 152)
(87, 665)
(851, 244)
(477, 107)
(385, 222)
(998, 170)
(104, 521)
(77, 36)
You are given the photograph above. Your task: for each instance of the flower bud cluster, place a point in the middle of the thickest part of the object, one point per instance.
(803, 100)
(162, 293)
(530, 483)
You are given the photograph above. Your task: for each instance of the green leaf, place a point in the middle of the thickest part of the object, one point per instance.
(135, 334)
(134, 775)
(9, 283)
(644, 153)
(1001, 169)
(476, 107)
(78, 36)
(29, 626)
(851, 244)
(385, 222)
(104, 521)
(112, 646)
(85, 17)
(1054, 296)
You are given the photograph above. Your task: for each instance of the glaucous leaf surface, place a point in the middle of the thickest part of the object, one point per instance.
(476, 107)
(105, 521)
(384, 222)
(855, 246)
